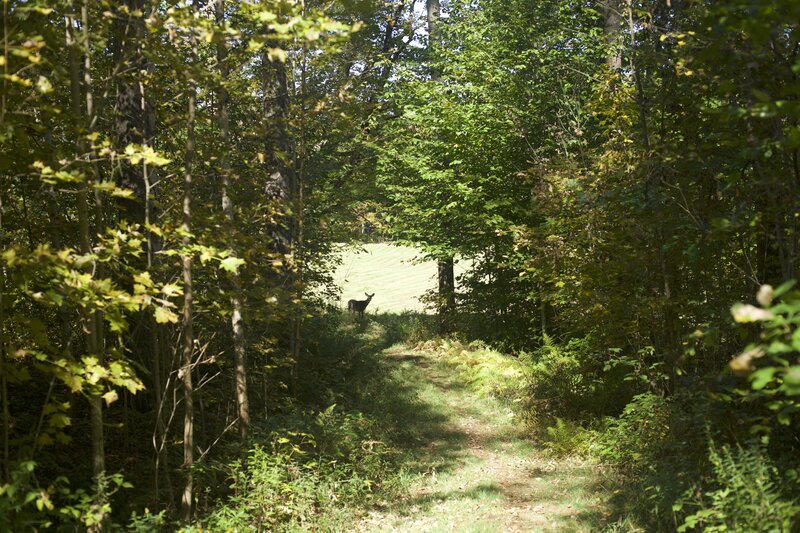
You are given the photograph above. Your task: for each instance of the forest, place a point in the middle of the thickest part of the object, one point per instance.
(178, 180)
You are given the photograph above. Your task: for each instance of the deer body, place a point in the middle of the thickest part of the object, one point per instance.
(358, 306)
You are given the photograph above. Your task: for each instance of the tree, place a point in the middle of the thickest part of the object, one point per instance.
(237, 321)
(187, 363)
(445, 268)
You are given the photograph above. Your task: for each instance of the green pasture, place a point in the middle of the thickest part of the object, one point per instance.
(395, 274)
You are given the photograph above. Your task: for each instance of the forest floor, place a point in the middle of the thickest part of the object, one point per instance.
(475, 472)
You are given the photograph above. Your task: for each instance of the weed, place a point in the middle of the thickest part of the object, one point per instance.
(566, 438)
(746, 492)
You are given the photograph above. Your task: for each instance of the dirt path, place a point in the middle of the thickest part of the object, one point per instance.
(478, 474)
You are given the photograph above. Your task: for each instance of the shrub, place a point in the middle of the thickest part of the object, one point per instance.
(486, 371)
(772, 365)
(745, 493)
(637, 437)
(305, 478)
(566, 437)
(562, 382)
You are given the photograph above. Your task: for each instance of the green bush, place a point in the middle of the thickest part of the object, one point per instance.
(637, 437)
(26, 507)
(746, 492)
(146, 522)
(487, 371)
(304, 479)
(771, 365)
(563, 381)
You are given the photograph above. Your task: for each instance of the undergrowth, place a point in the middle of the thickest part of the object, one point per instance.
(670, 460)
(666, 461)
(483, 369)
(338, 448)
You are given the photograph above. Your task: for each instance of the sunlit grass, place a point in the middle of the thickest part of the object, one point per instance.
(473, 469)
(395, 274)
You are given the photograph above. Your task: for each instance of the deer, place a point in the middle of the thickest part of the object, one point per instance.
(358, 306)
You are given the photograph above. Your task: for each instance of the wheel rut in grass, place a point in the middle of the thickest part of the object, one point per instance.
(475, 472)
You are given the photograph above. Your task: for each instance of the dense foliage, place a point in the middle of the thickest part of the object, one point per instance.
(587, 182)
(165, 204)
(621, 174)
(174, 177)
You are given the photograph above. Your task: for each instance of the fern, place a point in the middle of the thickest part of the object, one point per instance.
(747, 496)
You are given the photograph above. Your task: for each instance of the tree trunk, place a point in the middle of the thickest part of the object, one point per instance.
(188, 332)
(299, 247)
(237, 322)
(90, 320)
(447, 294)
(637, 76)
(135, 124)
(6, 474)
(445, 267)
(434, 10)
(613, 19)
(130, 115)
(280, 184)
(153, 330)
(98, 438)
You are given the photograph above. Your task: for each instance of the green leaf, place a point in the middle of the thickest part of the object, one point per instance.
(110, 397)
(164, 316)
(44, 86)
(791, 381)
(761, 96)
(231, 264)
(170, 289)
(784, 288)
(762, 377)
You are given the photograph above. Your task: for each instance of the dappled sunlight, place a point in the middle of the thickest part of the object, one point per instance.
(471, 468)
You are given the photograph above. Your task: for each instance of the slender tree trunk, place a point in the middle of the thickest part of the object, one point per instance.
(3, 363)
(637, 76)
(98, 437)
(670, 340)
(155, 331)
(90, 320)
(299, 251)
(237, 321)
(188, 331)
(91, 122)
(543, 316)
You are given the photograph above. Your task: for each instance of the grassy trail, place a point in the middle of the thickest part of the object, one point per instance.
(474, 471)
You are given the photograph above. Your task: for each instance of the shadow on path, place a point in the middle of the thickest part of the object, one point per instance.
(468, 467)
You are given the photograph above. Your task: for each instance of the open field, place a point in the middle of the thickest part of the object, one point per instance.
(393, 273)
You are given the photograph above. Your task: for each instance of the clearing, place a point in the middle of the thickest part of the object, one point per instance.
(475, 472)
(394, 273)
